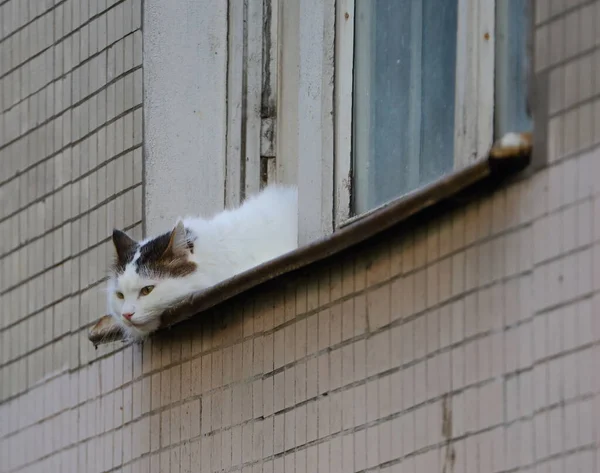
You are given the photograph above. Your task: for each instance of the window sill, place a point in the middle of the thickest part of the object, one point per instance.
(501, 162)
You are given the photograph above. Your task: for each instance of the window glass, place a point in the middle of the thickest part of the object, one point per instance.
(404, 88)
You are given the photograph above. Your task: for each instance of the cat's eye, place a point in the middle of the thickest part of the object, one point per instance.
(146, 290)
(120, 295)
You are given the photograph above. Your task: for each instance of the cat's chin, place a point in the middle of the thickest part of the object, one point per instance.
(138, 331)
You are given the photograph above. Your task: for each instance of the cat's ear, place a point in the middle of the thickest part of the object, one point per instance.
(124, 245)
(178, 240)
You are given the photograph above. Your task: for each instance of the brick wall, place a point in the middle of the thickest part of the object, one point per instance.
(70, 169)
(469, 343)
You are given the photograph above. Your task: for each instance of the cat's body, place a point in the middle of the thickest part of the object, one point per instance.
(198, 253)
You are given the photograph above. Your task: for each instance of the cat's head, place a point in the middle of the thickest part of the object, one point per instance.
(146, 277)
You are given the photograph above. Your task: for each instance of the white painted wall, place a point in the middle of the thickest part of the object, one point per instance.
(192, 161)
(185, 80)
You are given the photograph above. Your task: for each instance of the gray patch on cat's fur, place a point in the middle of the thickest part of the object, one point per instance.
(157, 257)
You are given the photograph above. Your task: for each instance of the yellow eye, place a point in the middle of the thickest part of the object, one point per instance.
(120, 295)
(146, 290)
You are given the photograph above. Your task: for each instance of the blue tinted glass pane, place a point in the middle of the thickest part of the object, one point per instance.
(404, 82)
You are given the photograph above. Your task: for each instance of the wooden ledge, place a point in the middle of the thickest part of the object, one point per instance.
(506, 158)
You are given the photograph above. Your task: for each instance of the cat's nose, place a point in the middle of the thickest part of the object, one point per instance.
(128, 315)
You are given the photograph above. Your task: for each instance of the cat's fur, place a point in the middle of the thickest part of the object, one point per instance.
(196, 254)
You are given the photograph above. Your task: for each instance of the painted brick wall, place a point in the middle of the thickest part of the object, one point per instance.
(470, 343)
(70, 169)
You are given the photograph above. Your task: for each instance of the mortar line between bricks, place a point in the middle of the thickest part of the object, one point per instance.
(67, 296)
(69, 371)
(32, 20)
(564, 403)
(64, 260)
(59, 115)
(55, 191)
(70, 71)
(565, 453)
(70, 145)
(56, 302)
(570, 351)
(50, 342)
(563, 62)
(574, 106)
(398, 461)
(59, 40)
(75, 293)
(2, 2)
(581, 297)
(565, 12)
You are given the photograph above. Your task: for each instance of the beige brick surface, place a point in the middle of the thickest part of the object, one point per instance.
(469, 343)
(55, 223)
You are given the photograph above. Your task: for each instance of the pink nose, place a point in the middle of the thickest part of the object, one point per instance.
(128, 315)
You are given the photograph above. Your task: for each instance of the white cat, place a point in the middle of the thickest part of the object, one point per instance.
(148, 276)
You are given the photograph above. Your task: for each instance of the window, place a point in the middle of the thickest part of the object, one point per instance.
(421, 89)
(404, 72)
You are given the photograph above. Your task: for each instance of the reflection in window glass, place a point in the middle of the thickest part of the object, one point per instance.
(403, 107)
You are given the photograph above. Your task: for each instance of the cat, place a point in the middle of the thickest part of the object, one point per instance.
(147, 276)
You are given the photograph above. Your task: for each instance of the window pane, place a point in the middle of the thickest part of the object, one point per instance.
(403, 112)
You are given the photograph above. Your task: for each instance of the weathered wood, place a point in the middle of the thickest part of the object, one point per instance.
(474, 101)
(253, 96)
(344, 78)
(235, 71)
(315, 119)
(288, 51)
(268, 137)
